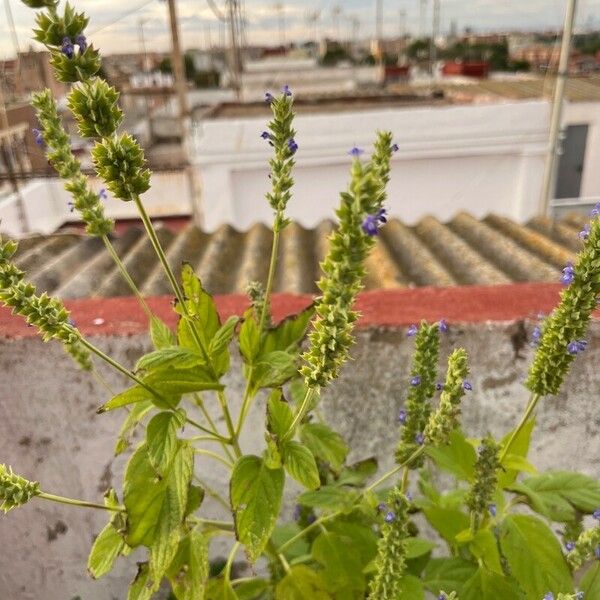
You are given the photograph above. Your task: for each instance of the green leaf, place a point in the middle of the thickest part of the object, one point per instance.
(484, 546)
(488, 585)
(161, 334)
(447, 574)
(342, 570)
(161, 439)
(140, 588)
(300, 464)
(416, 547)
(301, 583)
(590, 584)
(182, 358)
(255, 492)
(357, 473)
(136, 414)
(279, 414)
(249, 337)
(195, 498)
(188, 573)
(513, 462)
(273, 369)
(559, 494)
(150, 499)
(534, 556)
(411, 588)
(359, 539)
(448, 522)
(458, 457)
(173, 381)
(107, 547)
(288, 334)
(218, 350)
(325, 444)
(519, 447)
(286, 531)
(251, 590)
(132, 395)
(329, 497)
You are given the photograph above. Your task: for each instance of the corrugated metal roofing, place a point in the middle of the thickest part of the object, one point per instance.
(494, 250)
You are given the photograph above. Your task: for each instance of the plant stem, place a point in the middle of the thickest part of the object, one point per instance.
(229, 422)
(272, 269)
(123, 270)
(301, 413)
(404, 483)
(322, 519)
(395, 470)
(212, 492)
(81, 503)
(227, 571)
(528, 411)
(223, 525)
(214, 455)
(224, 442)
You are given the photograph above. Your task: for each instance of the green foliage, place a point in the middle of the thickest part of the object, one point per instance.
(15, 490)
(586, 548)
(486, 477)
(81, 67)
(53, 28)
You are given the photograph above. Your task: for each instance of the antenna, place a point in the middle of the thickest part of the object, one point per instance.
(280, 9)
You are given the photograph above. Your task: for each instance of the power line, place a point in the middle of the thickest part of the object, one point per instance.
(123, 15)
(216, 10)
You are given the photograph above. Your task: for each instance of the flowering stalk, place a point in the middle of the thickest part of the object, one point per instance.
(15, 490)
(423, 375)
(587, 547)
(445, 596)
(391, 554)
(482, 490)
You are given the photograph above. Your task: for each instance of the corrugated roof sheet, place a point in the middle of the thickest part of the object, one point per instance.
(494, 250)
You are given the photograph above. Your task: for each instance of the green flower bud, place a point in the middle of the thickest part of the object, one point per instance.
(445, 419)
(569, 321)
(85, 200)
(256, 292)
(586, 548)
(80, 67)
(391, 552)
(120, 162)
(53, 28)
(482, 490)
(15, 491)
(417, 409)
(446, 596)
(94, 106)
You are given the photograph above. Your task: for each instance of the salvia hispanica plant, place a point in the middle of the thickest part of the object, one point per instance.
(502, 531)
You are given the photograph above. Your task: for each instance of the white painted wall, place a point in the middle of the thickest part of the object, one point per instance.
(476, 158)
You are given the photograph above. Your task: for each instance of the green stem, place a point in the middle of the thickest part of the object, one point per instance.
(528, 411)
(301, 413)
(245, 404)
(224, 442)
(271, 274)
(123, 270)
(322, 519)
(227, 571)
(223, 525)
(81, 503)
(213, 493)
(404, 484)
(214, 455)
(229, 422)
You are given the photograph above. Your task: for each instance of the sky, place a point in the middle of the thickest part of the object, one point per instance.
(115, 24)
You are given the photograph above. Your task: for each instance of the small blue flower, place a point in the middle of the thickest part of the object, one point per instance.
(570, 546)
(536, 335)
(372, 223)
(467, 386)
(390, 517)
(293, 146)
(38, 137)
(409, 496)
(439, 386)
(415, 381)
(265, 135)
(597, 552)
(419, 439)
(568, 275)
(81, 42)
(355, 152)
(596, 210)
(402, 416)
(548, 596)
(286, 90)
(102, 194)
(576, 346)
(67, 47)
(443, 326)
(596, 514)
(269, 97)
(395, 148)
(584, 234)
(382, 506)
(493, 509)
(412, 330)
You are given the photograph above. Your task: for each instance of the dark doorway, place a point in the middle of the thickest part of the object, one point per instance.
(570, 165)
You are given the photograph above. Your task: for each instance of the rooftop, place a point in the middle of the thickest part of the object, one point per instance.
(464, 251)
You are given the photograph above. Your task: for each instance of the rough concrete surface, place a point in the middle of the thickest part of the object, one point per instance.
(49, 432)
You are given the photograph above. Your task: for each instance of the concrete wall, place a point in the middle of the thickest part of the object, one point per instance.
(474, 158)
(49, 431)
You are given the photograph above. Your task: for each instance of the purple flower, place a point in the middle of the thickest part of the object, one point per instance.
(81, 42)
(71, 322)
(584, 234)
(293, 146)
(382, 506)
(356, 152)
(265, 135)
(67, 47)
(71, 206)
(382, 215)
(286, 90)
(536, 335)
(597, 552)
(596, 210)
(439, 386)
(570, 546)
(568, 274)
(596, 514)
(493, 509)
(390, 517)
(102, 194)
(412, 330)
(297, 512)
(402, 416)
(311, 518)
(415, 381)
(269, 97)
(38, 137)
(395, 148)
(419, 439)
(372, 223)
(548, 596)
(467, 386)
(409, 496)
(576, 346)
(443, 326)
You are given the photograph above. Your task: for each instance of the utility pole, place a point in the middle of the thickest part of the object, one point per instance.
(236, 67)
(379, 26)
(281, 20)
(435, 30)
(557, 107)
(177, 63)
(422, 7)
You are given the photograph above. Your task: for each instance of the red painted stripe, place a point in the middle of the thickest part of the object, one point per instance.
(383, 308)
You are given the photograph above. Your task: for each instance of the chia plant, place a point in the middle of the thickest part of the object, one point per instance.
(493, 530)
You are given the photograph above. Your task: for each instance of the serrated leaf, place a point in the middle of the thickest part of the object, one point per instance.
(513, 462)
(172, 381)
(136, 414)
(448, 522)
(286, 531)
(325, 444)
(279, 414)
(148, 498)
(251, 590)
(416, 547)
(534, 556)
(249, 337)
(188, 573)
(178, 356)
(161, 440)
(488, 585)
(273, 370)
(447, 574)
(218, 349)
(132, 395)
(519, 447)
(329, 497)
(357, 473)
(300, 464)
(301, 583)
(484, 546)
(255, 492)
(411, 588)
(161, 334)
(457, 457)
(106, 548)
(140, 588)
(287, 335)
